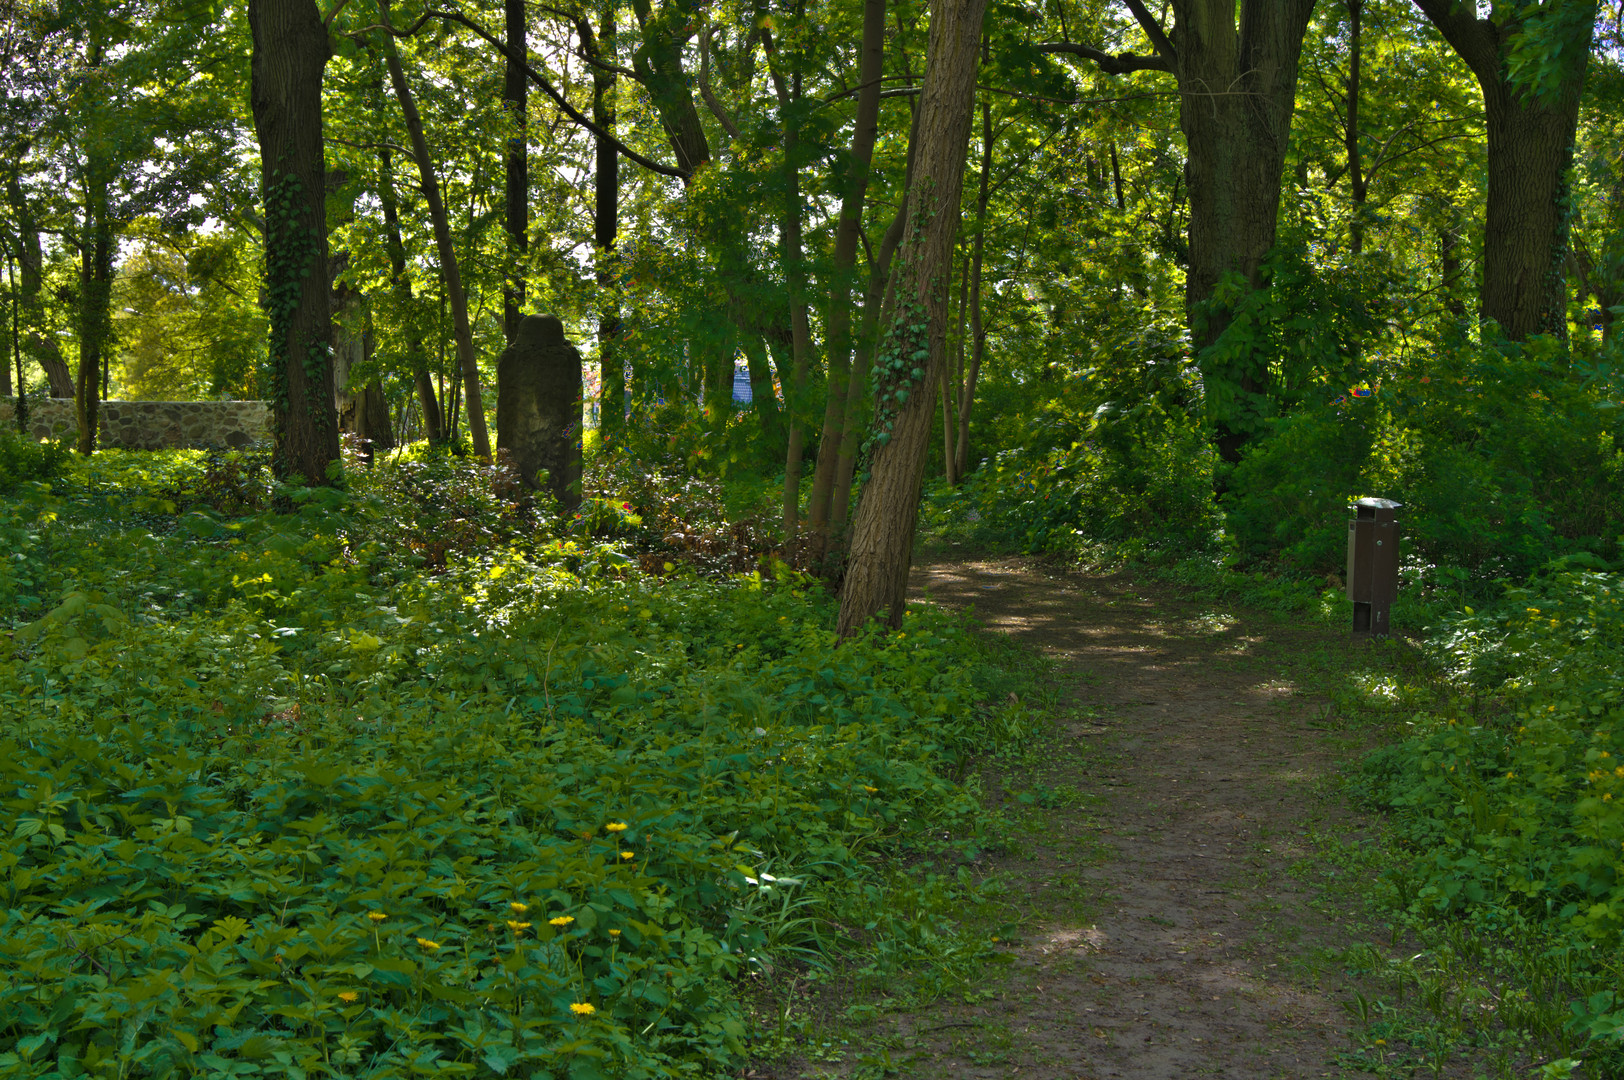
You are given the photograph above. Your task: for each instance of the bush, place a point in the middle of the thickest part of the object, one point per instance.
(24, 458)
(281, 804)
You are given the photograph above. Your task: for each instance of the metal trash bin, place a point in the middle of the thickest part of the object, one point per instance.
(1373, 564)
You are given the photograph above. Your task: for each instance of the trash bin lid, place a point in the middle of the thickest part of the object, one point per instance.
(1379, 504)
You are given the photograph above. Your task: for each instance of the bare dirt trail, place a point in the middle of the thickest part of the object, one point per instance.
(1170, 926)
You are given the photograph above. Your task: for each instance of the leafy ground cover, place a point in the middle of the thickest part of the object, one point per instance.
(408, 780)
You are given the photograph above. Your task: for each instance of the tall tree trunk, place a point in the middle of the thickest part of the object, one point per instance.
(95, 298)
(953, 379)
(978, 326)
(37, 343)
(857, 396)
(467, 359)
(792, 252)
(848, 233)
(914, 347)
(1357, 181)
(514, 93)
(763, 398)
(416, 361)
(1237, 88)
(1526, 221)
(290, 53)
(605, 235)
(15, 353)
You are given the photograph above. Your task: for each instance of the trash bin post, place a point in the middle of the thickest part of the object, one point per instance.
(1373, 564)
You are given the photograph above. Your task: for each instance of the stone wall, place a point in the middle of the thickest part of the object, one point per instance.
(155, 425)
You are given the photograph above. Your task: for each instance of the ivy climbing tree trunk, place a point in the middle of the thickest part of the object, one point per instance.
(290, 54)
(913, 349)
(467, 359)
(1531, 131)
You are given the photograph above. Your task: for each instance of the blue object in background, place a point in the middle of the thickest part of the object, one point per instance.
(741, 385)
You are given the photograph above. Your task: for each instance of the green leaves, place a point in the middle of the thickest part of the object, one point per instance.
(205, 813)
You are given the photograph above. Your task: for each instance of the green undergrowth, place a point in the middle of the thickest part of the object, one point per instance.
(286, 796)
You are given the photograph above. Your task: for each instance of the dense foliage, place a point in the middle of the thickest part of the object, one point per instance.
(295, 792)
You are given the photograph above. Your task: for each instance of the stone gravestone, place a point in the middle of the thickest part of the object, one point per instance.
(538, 407)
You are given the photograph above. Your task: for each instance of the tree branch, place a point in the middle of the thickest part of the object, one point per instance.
(711, 103)
(522, 62)
(1120, 64)
(1153, 30)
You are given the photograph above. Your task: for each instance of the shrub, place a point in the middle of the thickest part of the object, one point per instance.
(24, 458)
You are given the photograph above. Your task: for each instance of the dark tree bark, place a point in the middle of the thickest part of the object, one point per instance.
(882, 543)
(978, 326)
(848, 233)
(1526, 221)
(1237, 84)
(37, 343)
(467, 359)
(95, 296)
(658, 64)
(605, 234)
(514, 94)
(1358, 182)
(416, 360)
(290, 54)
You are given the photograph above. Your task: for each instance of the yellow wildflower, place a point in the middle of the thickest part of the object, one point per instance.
(870, 790)
(582, 1008)
(628, 854)
(349, 997)
(517, 927)
(518, 908)
(376, 916)
(561, 920)
(616, 826)
(614, 933)
(431, 946)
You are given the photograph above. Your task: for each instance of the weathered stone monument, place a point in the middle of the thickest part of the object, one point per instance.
(538, 407)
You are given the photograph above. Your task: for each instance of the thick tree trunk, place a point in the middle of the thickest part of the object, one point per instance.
(658, 64)
(1526, 221)
(95, 296)
(467, 359)
(400, 284)
(514, 94)
(913, 351)
(605, 235)
(848, 233)
(978, 326)
(36, 342)
(290, 53)
(1237, 88)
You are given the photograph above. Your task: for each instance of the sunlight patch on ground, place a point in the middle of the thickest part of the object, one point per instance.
(1087, 938)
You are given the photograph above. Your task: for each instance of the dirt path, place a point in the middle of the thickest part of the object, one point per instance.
(1171, 926)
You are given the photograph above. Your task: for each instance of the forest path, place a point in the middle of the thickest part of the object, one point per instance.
(1171, 924)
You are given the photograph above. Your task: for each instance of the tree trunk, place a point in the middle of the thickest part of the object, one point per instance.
(913, 349)
(857, 396)
(605, 234)
(848, 233)
(1237, 88)
(416, 362)
(95, 297)
(514, 94)
(1526, 221)
(978, 327)
(1357, 181)
(290, 53)
(37, 343)
(791, 252)
(467, 360)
